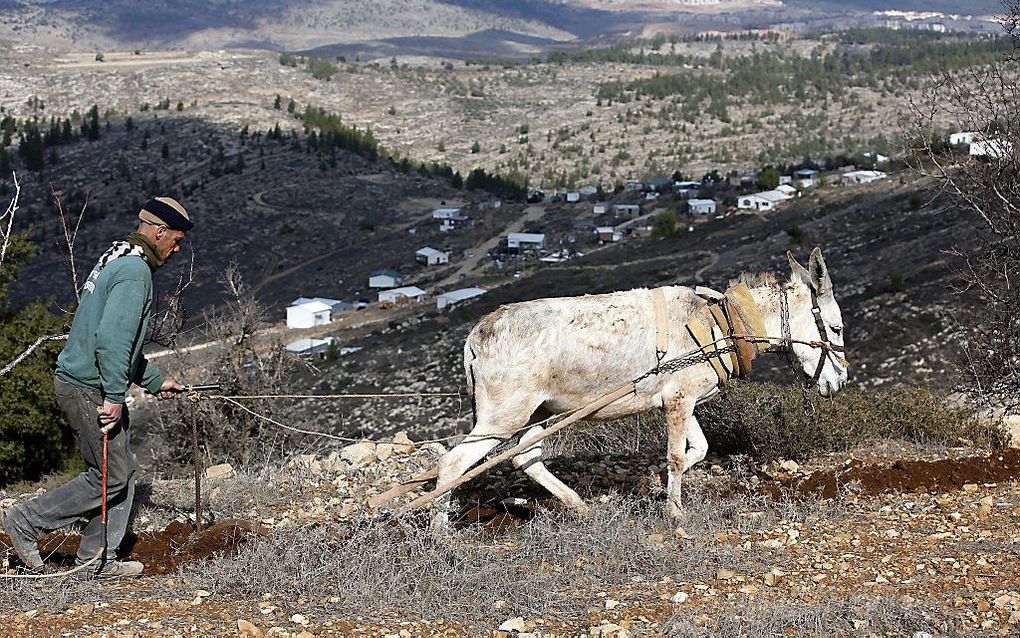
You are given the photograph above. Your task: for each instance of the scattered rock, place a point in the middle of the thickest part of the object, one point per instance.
(789, 466)
(384, 451)
(359, 454)
(403, 444)
(608, 630)
(1011, 425)
(246, 628)
(221, 471)
(679, 598)
(299, 619)
(612, 604)
(514, 625)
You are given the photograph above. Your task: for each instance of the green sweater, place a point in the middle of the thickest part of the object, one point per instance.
(104, 348)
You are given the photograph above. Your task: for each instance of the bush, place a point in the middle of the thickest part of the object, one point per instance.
(770, 421)
(32, 442)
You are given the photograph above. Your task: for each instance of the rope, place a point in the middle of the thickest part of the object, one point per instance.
(336, 397)
(77, 569)
(334, 437)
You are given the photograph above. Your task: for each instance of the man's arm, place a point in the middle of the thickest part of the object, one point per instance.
(149, 377)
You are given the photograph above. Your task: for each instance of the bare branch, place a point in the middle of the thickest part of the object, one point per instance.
(7, 219)
(169, 315)
(70, 235)
(38, 342)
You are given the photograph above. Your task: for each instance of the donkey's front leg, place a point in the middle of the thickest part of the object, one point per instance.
(679, 414)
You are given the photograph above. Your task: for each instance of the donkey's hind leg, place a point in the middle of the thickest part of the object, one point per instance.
(530, 461)
(496, 423)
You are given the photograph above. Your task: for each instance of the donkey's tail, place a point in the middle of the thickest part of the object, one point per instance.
(469, 372)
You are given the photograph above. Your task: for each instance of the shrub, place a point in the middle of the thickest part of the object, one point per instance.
(771, 421)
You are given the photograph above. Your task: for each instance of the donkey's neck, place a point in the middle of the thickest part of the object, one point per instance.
(768, 300)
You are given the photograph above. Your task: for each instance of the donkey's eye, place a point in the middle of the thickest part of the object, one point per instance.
(836, 330)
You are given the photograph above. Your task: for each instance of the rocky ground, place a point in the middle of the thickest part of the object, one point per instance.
(935, 558)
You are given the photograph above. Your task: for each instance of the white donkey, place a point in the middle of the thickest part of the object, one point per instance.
(526, 361)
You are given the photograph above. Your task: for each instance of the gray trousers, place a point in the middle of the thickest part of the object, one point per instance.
(82, 495)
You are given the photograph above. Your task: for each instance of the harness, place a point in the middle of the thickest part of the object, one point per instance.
(827, 350)
(730, 332)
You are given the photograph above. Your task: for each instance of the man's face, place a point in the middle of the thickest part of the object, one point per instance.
(168, 242)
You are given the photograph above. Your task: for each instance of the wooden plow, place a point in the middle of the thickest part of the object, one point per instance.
(527, 442)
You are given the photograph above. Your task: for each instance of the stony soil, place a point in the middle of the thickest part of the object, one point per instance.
(933, 556)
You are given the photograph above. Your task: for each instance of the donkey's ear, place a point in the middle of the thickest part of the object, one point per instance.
(799, 272)
(820, 280)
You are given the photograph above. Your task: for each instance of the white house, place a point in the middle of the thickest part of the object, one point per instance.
(402, 295)
(788, 190)
(766, 200)
(608, 233)
(626, 210)
(431, 256)
(445, 213)
(968, 137)
(384, 279)
(600, 208)
(309, 347)
(862, 177)
(525, 241)
(997, 149)
(308, 314)
(453, 297)
(573, 197)
(701, 206)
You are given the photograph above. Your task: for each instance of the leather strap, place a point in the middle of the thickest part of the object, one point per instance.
(725, 330)
(702, 335)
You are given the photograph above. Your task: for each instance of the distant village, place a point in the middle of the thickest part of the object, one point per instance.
(599, 217)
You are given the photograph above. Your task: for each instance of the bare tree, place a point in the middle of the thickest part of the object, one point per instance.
(169, 314)
(244, 362)
(70, 235)
(984, 179)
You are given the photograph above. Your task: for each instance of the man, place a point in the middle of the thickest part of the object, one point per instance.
(102, 358)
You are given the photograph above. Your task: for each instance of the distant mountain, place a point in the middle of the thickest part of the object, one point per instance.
(967, 7)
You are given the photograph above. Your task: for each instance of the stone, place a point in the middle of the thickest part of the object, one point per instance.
(246, 628)
(384, 451)
(403, 444)
(789, 466)
(1011, 427)
(679, 598)
(221, 471)
(608, 630)
(513, 625)
(359, 454)
(299, 619)
(612, 604)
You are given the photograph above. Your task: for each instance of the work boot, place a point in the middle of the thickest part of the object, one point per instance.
(23, 540)
(118, 569)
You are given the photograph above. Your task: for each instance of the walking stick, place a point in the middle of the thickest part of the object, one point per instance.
(102, 506)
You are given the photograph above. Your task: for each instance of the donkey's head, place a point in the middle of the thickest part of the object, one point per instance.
(814, 317)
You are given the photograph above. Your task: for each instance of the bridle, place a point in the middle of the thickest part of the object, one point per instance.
(825, 345)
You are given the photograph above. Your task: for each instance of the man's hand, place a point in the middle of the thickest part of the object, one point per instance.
(170, 388)
(109, 416)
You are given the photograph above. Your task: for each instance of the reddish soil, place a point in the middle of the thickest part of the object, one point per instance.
(160, 552)
(940, 476)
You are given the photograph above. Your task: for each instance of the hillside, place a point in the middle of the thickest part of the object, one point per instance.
(885, 251)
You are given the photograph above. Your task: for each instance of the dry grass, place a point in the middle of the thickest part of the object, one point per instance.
(768, 421)
(854, 616)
